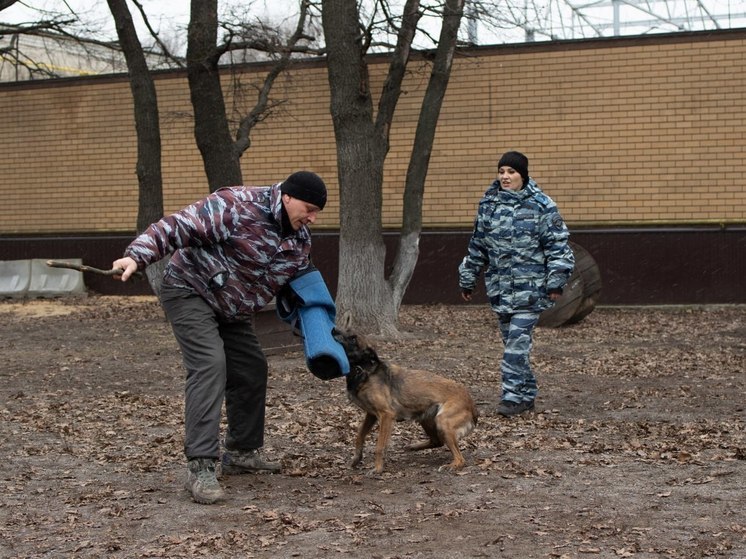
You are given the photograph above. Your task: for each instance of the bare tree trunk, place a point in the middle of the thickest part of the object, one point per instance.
(366, 299)
(220, 154)
(363, 295)
(6, 4)
(211, 128)
(408, 248)
(147, 126)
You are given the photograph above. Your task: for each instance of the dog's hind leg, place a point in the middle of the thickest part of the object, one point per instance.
(433, 440)
(365, 427)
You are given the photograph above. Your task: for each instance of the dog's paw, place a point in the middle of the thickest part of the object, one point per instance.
(374, 473)
(451, 468)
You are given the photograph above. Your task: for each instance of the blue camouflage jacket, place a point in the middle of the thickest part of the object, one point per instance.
(520, 241)
(229, 248)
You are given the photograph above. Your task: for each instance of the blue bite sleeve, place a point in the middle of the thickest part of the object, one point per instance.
(308, 306)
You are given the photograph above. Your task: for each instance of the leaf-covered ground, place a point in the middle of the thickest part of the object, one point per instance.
(637, 448)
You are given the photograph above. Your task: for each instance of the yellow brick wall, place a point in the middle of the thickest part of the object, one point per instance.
(619, 132)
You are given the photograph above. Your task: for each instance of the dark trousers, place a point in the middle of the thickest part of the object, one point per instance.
(224, 362)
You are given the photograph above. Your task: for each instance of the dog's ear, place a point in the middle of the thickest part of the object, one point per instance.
(345, 320)
(344, 336)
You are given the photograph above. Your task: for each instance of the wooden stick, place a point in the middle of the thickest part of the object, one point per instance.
(83, 268)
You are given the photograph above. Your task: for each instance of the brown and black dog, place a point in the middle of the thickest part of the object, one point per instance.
(388, 393)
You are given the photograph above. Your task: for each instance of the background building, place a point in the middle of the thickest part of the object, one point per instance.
(639, 140)
(46, 55)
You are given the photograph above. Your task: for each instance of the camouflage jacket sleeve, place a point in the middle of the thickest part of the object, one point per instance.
(203, 223)
(560, 260)
(476, 258)
(229, 248)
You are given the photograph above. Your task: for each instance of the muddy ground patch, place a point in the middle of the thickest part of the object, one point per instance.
(637, 448)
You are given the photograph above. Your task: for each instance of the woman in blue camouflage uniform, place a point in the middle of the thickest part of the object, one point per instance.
(520, 242)
(230, 255)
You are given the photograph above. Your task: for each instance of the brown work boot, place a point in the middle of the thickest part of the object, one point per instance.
(202, 482)
(246, 461)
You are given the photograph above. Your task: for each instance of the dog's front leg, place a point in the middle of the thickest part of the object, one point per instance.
(451, 441)
(385, 428)
(365, 427)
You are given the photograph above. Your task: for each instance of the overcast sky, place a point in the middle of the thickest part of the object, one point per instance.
(165, 13)
(548, 17)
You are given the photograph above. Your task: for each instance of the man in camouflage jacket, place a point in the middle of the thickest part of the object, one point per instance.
(230, 255)
(520, 242)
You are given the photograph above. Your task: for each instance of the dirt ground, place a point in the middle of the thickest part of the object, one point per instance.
(637, 448)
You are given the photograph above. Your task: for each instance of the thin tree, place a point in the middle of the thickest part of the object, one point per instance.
(147, 127)
(366, 298)
(147, 122)
(221, 153)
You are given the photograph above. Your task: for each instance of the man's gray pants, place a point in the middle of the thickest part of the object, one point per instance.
(224, 362)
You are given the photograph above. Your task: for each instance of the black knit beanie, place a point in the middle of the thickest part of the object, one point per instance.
(306, 186)
(517, 161)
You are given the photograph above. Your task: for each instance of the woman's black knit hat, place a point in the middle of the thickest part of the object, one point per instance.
(306, 186)
(517, 161)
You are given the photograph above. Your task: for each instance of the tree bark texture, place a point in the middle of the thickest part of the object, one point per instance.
(211, 127)
(362, 290)
(414, 189)
(147, 126)
(366, 298)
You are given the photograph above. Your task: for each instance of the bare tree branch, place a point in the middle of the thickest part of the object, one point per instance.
(176, 60)
(392, 86)
(263, 107)
(6, 4)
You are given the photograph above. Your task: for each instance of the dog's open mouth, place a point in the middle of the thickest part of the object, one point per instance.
(357, 352)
